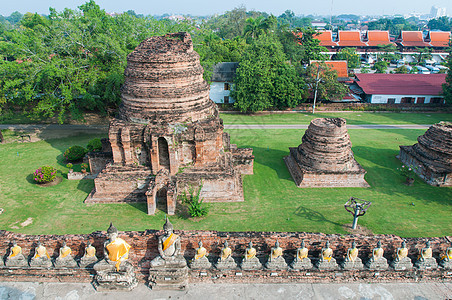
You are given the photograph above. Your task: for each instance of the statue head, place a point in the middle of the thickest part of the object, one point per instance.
(63, 244)
(14, 243)
(168, 227)
(112, 232)
(200, 244)
(250, 245)
(427, 245)
(403, 244)
(226, 244)
(379, 244)
(38, 244)
(302, 244)
(327, 244)
(353, 245)
(277, 244)
(88, 244)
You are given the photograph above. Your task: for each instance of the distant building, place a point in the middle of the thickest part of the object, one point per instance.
(437, 12)
(222, 79)
(401, 88)
(340, 66)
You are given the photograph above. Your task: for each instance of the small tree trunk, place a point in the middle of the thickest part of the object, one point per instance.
(2, 140)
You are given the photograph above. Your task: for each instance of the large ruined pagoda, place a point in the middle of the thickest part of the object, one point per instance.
(168, 136)
(431, 156)
(325, 157)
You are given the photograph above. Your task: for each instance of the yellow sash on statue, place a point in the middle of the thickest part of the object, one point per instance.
(226, 253)
(169, 241)
(117, 250)
(65, 252)
(251, 253)
(353, 254)
(15, 250)
(327, 254)
(41, 251)
(200, 253)
(276, 253)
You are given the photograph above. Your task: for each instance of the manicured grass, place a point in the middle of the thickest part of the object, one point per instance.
(272, 201)
(357, 118)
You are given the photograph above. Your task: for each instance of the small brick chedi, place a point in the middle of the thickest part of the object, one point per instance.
(431, 155)
(168, 135)
(325, 157)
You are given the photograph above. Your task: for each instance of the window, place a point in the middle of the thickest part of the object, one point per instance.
(420, 100)
(391, 100)
(436, 100)
(226, 99)
(226, 86)
(407, 100)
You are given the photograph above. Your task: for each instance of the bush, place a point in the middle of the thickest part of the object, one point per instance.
(94, 145)
(45, 174)
(196, 207)
(74, 153)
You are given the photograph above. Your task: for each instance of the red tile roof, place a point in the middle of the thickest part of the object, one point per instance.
(326, 38)
(439, 38)
(401, 84)
(377, 37)
(350, 39)
(412, 39)
(339, 65)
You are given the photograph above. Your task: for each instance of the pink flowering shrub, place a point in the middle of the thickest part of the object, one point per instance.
(44, 174)
(407, 171)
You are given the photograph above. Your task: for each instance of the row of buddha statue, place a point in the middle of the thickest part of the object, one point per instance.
(169, 268)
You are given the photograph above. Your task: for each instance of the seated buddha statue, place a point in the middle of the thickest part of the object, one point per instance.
(276, 252)
(327, 253)
(200, 251)
(425, 252)
(89, 256)
(250, 252)
(15, 257)
(41, 258)
(116, 253)
(169, 248)
(276, 260)
(225, 261)
(377, 253)
(447, 256)
(64, 258)
(302, 252)
(352, 253)
(401, 252)
(225, 251)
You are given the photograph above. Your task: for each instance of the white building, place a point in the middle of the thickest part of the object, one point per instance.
(222, 79)
(437, 12)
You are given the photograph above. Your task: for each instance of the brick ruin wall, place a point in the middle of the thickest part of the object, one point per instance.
(144, 249)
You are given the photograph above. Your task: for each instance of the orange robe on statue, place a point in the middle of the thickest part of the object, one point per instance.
(118, 250)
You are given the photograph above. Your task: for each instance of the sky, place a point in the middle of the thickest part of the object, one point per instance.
(209, 7)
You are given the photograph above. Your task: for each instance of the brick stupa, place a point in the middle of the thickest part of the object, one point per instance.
(168, 136)
(325, 157)
(432, 155)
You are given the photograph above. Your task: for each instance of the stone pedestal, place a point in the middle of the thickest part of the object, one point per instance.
(226, 264)
(107, 278)
(353, 265)
(168, 278)
(327, 265)
(380, 264)
(115, 281)
(276, 264)
(304, 264)
(18, 261)
(88, 261)
(403, 264)
(202, 263)
(251, 264)
(426, 264)
(67, 262)
(446, 264)
(40, 262)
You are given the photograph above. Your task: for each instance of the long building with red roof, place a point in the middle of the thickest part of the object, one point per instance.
(350, 39)
(411, 39)
(401, 88)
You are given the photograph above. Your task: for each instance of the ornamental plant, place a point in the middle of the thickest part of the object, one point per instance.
(94, 145)
(407, 171)
(84, 166)
(196, 207)
(74, 153)
(69, 165)
(44, 174)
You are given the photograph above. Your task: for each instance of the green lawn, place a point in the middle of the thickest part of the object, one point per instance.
(272, 201)
(357, 118)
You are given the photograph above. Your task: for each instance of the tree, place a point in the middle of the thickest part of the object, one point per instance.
(328, 88)
(311, 49)
(401, 70)
(381, 66)
(264, 79)
(447, 87)
(348, 54)
(442, 23)
(422, 54)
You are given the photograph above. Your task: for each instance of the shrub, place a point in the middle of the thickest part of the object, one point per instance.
(84, 166)
(407, 171)
(94, 145)
(69, 166)
(45, 174)
(74, 153)
(196, 207)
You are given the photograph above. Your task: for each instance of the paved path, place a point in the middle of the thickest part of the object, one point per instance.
(387, 291)
(227, 126)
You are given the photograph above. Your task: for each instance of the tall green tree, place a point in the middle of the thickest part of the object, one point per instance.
(328, 88)
(348, 54)
(311, 49)
(447, 87)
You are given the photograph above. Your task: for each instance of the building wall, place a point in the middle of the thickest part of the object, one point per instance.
(382, 99)
(218, 92)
